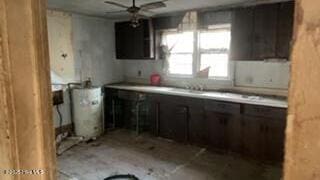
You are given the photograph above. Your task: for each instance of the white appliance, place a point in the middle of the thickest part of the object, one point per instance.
(87, 112)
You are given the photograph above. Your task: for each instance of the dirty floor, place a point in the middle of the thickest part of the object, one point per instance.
(149, 158)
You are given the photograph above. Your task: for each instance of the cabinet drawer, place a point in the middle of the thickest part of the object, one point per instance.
(222, 107)
(132, 96)
(264, 111)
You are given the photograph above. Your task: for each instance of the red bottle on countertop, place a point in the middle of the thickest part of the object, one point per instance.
(155, 80)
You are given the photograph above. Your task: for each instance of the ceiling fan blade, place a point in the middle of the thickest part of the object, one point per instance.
(116, 4)
(140, 15)
(146, 12)
(154, 5)
(115, 12)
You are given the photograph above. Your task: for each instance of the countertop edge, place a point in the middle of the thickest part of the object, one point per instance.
(200, 96)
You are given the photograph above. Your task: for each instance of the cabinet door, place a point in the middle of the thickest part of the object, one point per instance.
(124, 40)
(198, 129)
(134, 43)
(285, 29)
(180, 124)
(252, 136)
(265, 31)
(241, 34)
(234, 133)
(217, 126)
(137, 46)
(274, 131)
(153, 115)
(166, 120)
(173, 121)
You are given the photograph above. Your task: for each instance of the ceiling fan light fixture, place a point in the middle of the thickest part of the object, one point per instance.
(135, 10)
(135, 22)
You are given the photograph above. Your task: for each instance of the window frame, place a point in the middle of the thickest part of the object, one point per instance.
(196, 58)
(200, 51)
(175, 75)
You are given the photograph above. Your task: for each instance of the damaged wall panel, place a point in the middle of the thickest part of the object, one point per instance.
(303, 142)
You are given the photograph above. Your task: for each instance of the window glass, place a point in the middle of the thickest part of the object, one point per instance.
(180, 52)
(214, 50)
(218, 64)
(219, 39)
(211, 50)
(180, 42)
(180, 64)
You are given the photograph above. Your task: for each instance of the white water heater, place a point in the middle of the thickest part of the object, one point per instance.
(87, 112)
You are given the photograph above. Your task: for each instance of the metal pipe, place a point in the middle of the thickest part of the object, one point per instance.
(71, 102)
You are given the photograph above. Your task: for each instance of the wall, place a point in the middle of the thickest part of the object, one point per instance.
(303, 123)
(93, 40)
(60, 35)
(262, 74)
(251, 76)
(89, 45)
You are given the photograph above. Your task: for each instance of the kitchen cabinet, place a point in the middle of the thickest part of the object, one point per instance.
(251, 142)
(242, 34)
(274, 136)
(223, 122)
(263, 132)
(134, 43)
(262, 32)
(173, 119)
(198, 128)
(254, 131)
(285, 29)
(263, 138)
(265, 31)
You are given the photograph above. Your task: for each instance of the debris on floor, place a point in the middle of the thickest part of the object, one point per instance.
(123, 177)
(149, 158)
(68, 143)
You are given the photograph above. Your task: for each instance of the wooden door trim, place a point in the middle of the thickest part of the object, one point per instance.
(25, 98)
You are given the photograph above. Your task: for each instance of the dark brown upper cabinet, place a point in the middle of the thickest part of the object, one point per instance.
(285, 29)
(134, 43)
(242, 34)
(265, 31)
(262, 32)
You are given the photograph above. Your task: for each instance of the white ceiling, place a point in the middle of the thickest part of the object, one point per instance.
(99, 8)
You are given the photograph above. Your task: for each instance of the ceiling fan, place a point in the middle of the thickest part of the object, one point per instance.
(135, 11)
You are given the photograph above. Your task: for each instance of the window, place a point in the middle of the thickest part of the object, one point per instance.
(189, 52)
(214, 50)
(180, 52)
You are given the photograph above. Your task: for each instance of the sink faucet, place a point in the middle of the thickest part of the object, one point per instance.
(194, 87)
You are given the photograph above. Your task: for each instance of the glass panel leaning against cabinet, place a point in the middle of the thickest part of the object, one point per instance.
(192, 51)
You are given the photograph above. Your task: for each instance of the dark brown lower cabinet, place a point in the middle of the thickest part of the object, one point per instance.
(252, 139)
(198, 128)
(224, 131)
(173, 120)
(274, 137)
(263, 138)
(254, 131)
(218, 130)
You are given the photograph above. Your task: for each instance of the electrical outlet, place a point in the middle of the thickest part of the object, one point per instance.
(57, 97)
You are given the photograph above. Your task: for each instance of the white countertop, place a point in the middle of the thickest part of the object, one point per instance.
(221, 96)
